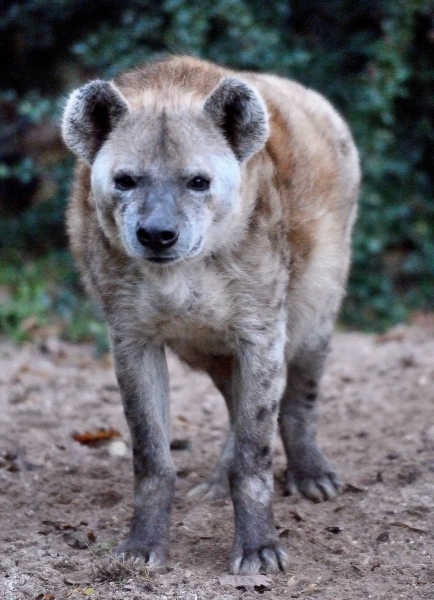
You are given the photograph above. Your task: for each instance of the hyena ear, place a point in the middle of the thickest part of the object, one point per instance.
(241, 114)
(90, 115)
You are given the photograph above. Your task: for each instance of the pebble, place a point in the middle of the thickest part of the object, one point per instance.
(118, 448)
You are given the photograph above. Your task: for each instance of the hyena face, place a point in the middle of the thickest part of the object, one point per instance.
(165, 187)
(165, 175)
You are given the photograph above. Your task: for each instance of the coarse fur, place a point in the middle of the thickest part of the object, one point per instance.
(212, 213)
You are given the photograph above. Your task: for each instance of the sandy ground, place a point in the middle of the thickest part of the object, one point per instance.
(63, 505)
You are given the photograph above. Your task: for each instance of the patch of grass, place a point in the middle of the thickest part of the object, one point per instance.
(115, 569)
(45, 293)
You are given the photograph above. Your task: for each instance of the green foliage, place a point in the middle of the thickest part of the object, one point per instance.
(45, 292)
(40, 227)
(374, 60)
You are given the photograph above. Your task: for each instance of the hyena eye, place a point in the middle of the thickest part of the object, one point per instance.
(124, 183)
(198, 184)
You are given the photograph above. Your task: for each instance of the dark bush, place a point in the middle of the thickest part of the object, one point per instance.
(373, 59)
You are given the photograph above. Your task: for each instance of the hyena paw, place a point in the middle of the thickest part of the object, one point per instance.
(325, 487)
(317, 480)
(137, 554)
(209, 491)
(270, 558)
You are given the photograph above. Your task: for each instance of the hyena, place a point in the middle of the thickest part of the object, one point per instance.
(211, 214)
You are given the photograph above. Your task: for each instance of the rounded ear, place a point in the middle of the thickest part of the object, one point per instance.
(90, 115)
(241, 114)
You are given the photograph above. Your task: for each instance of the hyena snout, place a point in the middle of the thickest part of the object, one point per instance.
(157, 237)
(158, 231)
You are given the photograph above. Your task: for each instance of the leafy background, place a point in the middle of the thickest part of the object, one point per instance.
(373, 59)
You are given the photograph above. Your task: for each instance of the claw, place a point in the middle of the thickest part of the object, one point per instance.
(324, 487)
(208, 492)
(270, 559)
(328, 488)
(139, 557)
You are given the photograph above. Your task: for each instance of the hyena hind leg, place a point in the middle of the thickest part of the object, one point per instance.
(309, 470)
(217, 485)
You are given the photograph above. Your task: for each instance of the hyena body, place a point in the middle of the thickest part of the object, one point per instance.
(212, 214)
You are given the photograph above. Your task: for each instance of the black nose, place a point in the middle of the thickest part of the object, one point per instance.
(157, 239)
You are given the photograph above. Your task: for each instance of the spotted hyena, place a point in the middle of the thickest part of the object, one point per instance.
(212, 214)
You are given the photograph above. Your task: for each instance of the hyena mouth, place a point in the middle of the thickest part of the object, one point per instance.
(162, 259)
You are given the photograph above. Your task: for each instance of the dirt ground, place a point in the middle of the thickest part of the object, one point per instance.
(63, 504)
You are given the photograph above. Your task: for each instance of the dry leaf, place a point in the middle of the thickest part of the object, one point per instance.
(309, 588)
(392, 336)
(333, 529)
(409, 526)
(89, 591)
(91, 537)
(257, 582)
(383, 537)
(89, 438)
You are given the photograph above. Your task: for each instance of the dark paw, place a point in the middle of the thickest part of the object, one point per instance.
(324, 487)
(153, 557)
(311, 474)
(271, 558)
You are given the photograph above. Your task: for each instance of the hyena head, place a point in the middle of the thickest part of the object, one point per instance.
(166, 168)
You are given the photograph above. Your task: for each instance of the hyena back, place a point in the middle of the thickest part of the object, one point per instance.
(212, 214)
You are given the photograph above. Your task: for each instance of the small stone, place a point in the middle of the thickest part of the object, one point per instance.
(117, 448)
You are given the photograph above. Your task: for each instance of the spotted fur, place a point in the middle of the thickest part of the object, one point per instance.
(250, 290)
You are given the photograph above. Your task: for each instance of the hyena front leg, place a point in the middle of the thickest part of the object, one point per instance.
(220, 369)
(144, 383)
(309, 471)
(258, 384)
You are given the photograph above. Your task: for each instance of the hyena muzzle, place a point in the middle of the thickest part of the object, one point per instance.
(211, 214)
